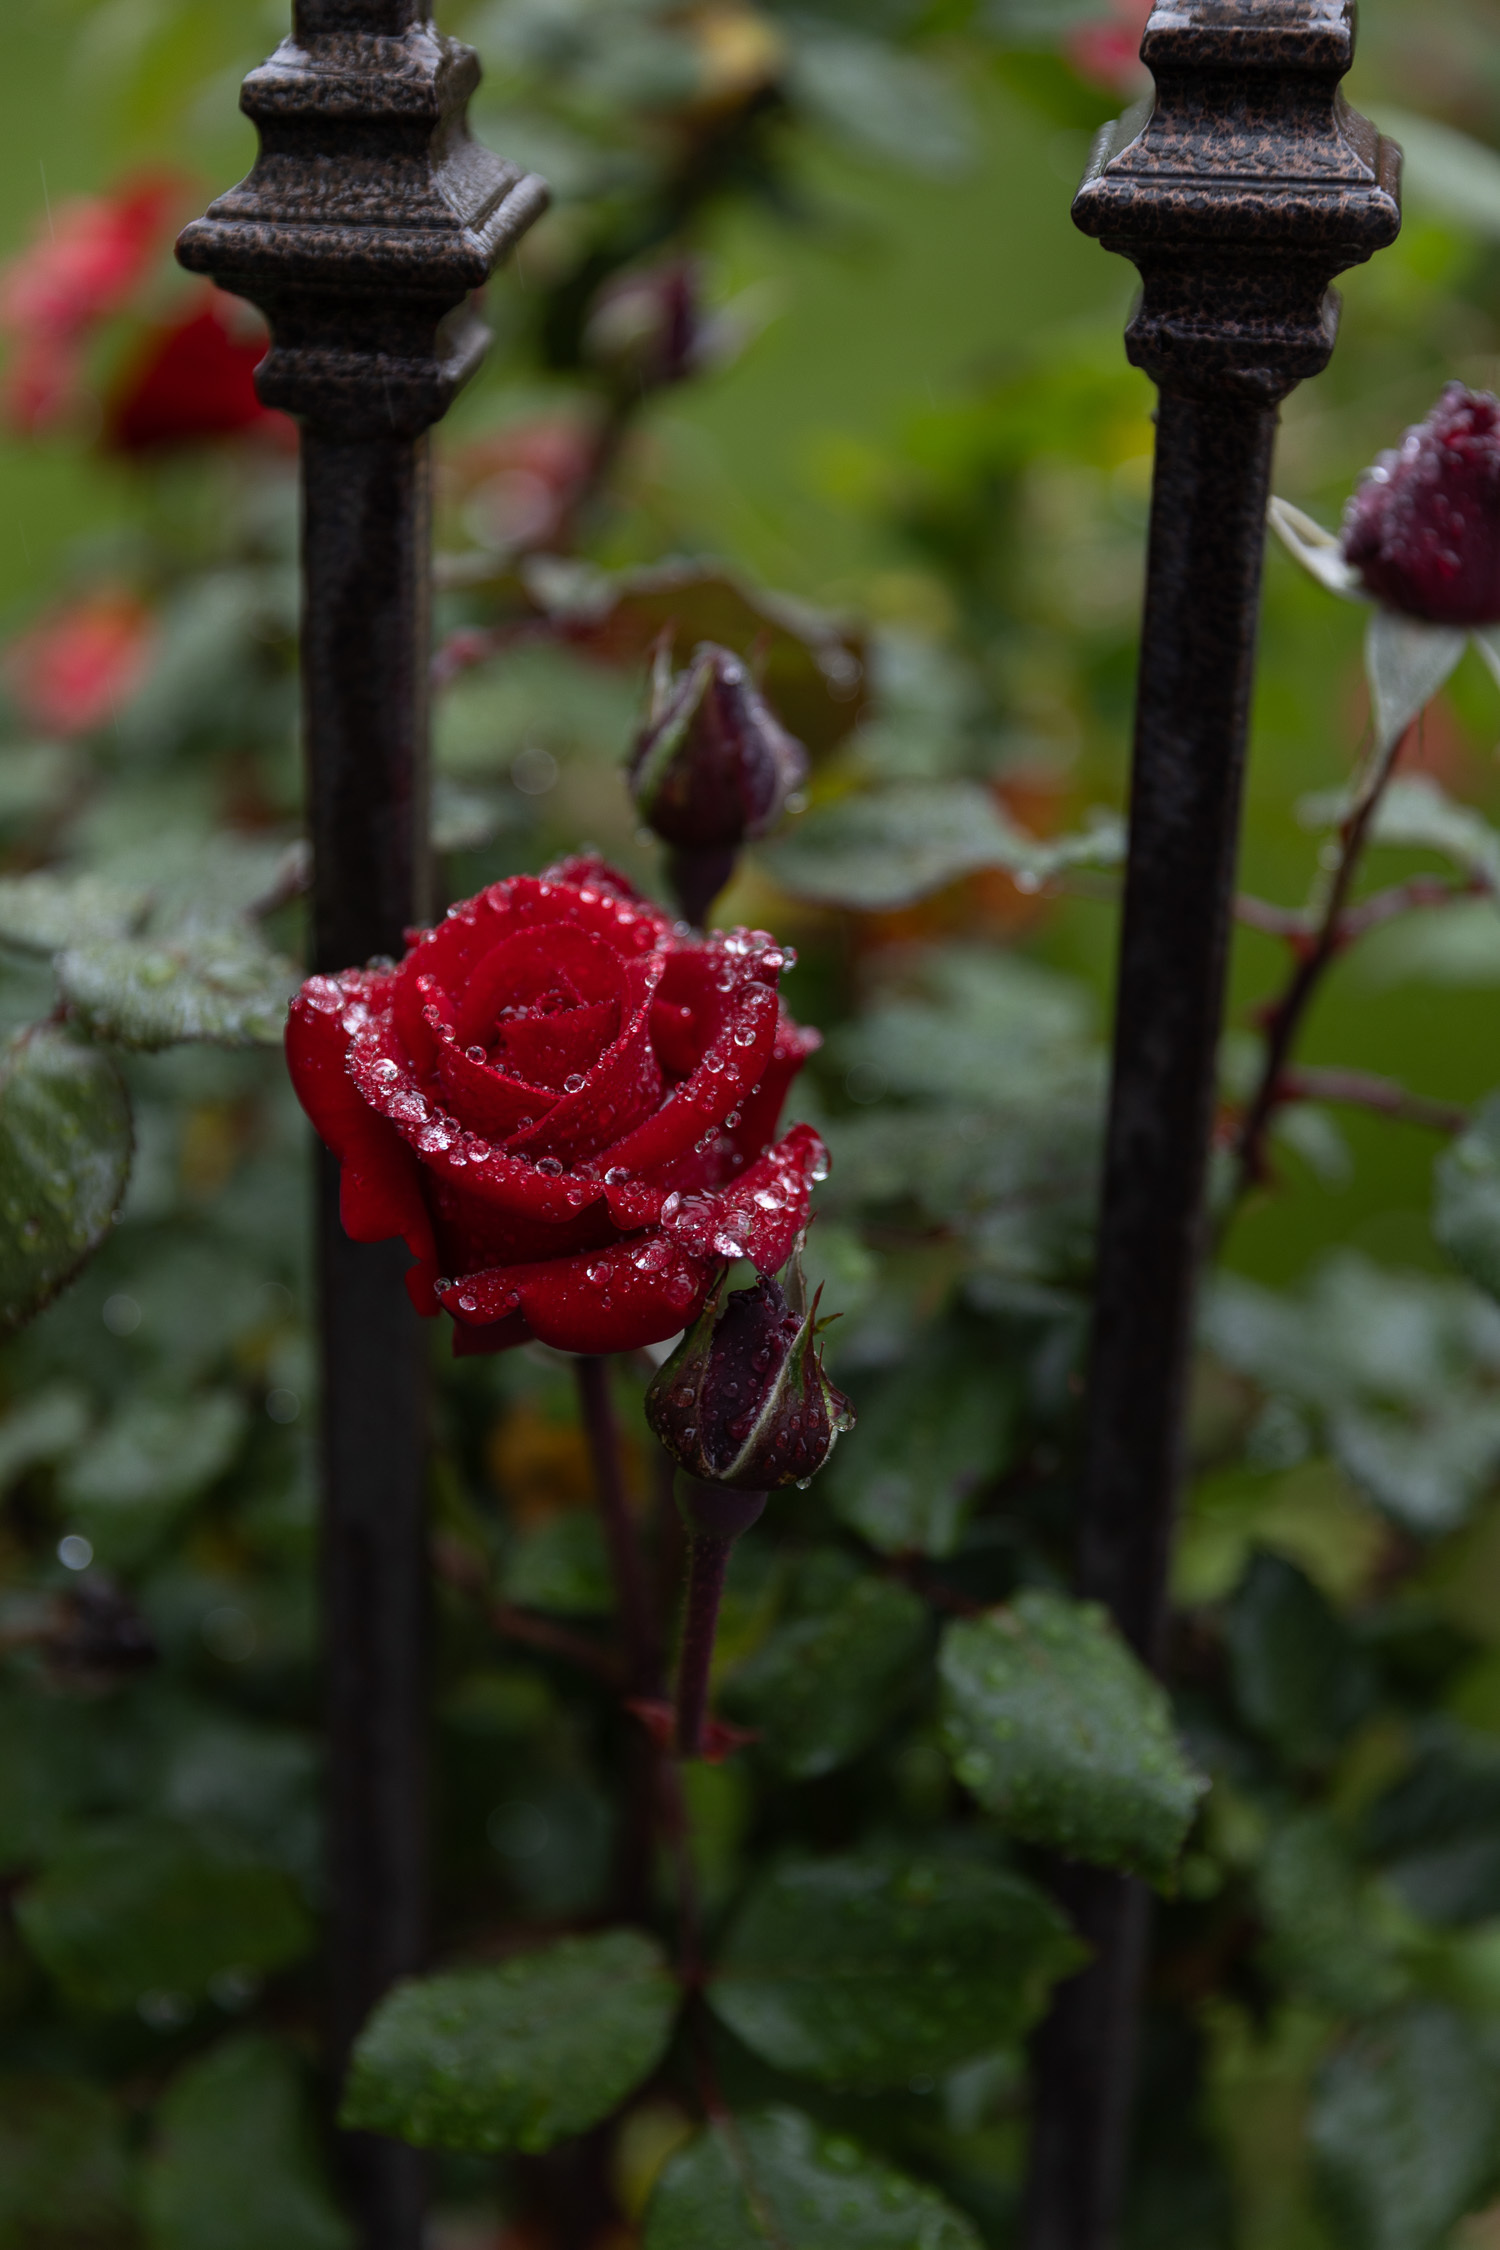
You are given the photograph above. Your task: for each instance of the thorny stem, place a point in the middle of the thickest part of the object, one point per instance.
(1317, 946)
(1361, 1089)
(637, 1613)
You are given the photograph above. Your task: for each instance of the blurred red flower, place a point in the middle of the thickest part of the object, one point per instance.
(75, 668)
(1108, 53)
(193, 381)
(82, 267)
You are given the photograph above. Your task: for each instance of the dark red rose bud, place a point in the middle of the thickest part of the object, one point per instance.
(713, 765)
(646, 330)
(1423, 529)
(744, 1401)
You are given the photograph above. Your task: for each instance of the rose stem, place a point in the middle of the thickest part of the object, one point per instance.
(1285, 1016)
(697, 876)
(708, 1560)
(637, 1621)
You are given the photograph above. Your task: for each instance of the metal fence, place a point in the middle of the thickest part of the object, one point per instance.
(367, 223)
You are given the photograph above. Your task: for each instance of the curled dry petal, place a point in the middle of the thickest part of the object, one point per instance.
(563, 1104)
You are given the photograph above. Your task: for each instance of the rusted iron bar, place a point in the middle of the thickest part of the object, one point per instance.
(1248, 186)
(369, 219)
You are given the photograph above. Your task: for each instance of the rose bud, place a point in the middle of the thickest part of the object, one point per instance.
(1423, 529)
(711, 768)
(646, 331)
(744, 1401)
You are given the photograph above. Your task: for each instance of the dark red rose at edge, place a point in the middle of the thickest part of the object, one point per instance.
(1423, 529)
(566, 1106)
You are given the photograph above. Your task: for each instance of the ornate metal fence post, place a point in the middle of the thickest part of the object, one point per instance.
(1250, 187)
(368, 219)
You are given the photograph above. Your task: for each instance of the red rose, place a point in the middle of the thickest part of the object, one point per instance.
(193, 381)
(1423, 529)
(565, 1105)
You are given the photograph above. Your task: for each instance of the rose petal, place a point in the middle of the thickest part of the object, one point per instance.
(380, 1187)
(531, 965)
(485, 1099)
(760, 1215)
(624, 1085)
(640, 1292)
(760, 1112)
(733, 1065)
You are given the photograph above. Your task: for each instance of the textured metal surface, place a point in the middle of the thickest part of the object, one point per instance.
(1239, 195)
(369, 218)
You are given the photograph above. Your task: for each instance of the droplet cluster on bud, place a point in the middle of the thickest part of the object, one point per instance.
(744, 1401)
(1423, 529)
(713, 766)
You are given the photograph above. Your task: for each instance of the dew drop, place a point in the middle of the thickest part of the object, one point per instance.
(468, 1304)
(573, 1083)
(615, 1175)
(387, 1070)
(551, 1165)
(476, 1054)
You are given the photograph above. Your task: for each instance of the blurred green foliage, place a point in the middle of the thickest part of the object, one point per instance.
(912, 470)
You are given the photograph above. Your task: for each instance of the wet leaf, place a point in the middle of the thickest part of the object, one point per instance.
(132, 1909)
(142, 1467)
(1059, 1731)
(224, 986)
(870, 1971)
(1436, 1832)
(234, 2163)
(893, 846)
(519, 2056)
(1405, 2129)
(1398, 1368)
(1299, 1678)
(1328, 1939)
(64, 2173)
(929, 1435)
(1466, 1199)
(44, 913)
(65, 1148)
(822, 1688)
(775, 2181)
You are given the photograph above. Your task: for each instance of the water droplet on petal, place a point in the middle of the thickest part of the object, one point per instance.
(573, 1083)
(551, 1165)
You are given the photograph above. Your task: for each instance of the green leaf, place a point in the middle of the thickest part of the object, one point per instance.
(48, 1757)
(65, 1150)
(1416, 814)
(1059, 1730)
(561, 1565)
(1299, 1678)
(822, 1688)
(928, 1437)
(234, 2164)
(1436, 1832)
(893, 846)
(64, 2174)
(888, 104)
(1448, 171)
(42, 1428)
(1399, 1368)
(125, 1486)
(1466, 1198)
(44, 913)
(224, 986)
(1326, 1933)
(142, 1907)
(518, 2056)
(775, 2181)
(1406, 662)
(1405, 2129)
(870, 1971)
